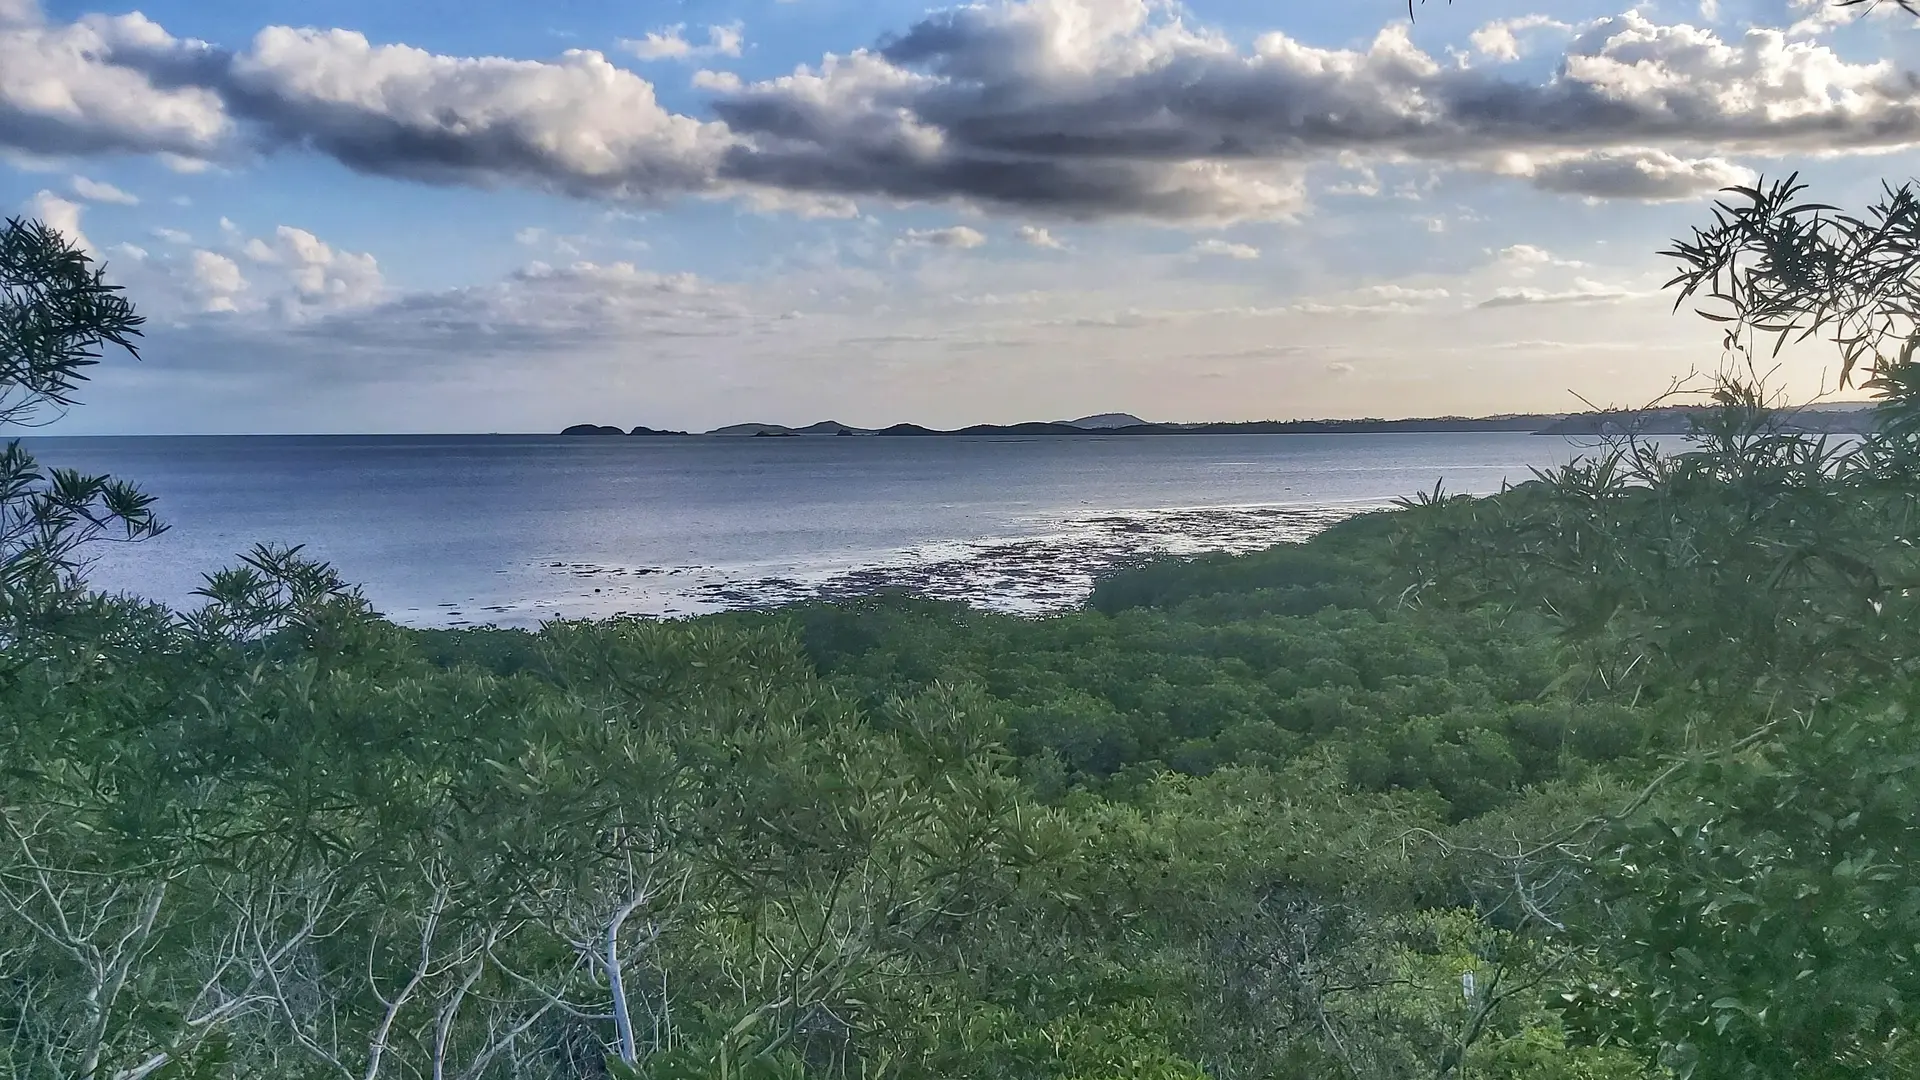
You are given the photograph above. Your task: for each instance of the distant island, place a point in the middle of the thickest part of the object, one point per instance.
(604, 429)
(1833, 418)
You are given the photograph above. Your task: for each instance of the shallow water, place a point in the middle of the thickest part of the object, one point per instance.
(512, 530)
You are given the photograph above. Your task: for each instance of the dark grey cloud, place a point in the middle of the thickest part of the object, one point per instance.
(1100, 107)
(868, 124)
(1647, 175)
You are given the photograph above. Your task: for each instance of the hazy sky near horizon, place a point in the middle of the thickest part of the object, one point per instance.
(343, 215)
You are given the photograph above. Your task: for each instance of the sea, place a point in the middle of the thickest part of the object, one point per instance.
(516, 530)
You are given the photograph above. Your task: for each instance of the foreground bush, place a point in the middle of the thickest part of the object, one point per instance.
(324, 851)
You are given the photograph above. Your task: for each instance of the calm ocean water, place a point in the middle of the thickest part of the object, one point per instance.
(511, 530)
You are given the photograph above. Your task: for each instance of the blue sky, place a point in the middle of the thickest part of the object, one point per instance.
(435, 217)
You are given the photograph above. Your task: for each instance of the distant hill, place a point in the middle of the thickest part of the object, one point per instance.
(1363, 426)
(1106, 420)
(1029, 428)
(1836, 417)
(1845, 418)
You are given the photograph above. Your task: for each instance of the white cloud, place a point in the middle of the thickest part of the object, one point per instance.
(1584, 291)
(99, 191)
(19, 12)
(1525, 258)
(577, 125)
(1383, 299)
(217, 280)
(286, 278)
(1823, 16)
(1226, 249)
(1500, 39)
(86, 88)
(1525, 254)
(1366, 182)
(1384, 307)
(722, 82)
(1038, 237)
(1552, 345)
(322, 276)
(956, 236)
(1031, 296)
(60, 215)
(798, 203)
(184, 164)
(671, 43)
(1405, 293)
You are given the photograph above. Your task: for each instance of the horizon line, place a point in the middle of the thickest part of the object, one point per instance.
(44, 432)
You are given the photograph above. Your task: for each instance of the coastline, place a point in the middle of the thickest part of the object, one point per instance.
(1048, 571)
(552, 527)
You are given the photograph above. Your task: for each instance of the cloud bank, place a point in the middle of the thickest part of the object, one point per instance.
(1068, 109)
(1097, 108)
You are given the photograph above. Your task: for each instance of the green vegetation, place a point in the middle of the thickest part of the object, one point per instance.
(345, 841)
(1608, 777)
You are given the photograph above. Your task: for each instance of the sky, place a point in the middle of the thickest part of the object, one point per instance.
(348, 216)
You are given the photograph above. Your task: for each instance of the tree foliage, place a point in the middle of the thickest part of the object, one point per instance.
(1765, 922)
(1754, 589)
(297, 855)
(57, 313)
